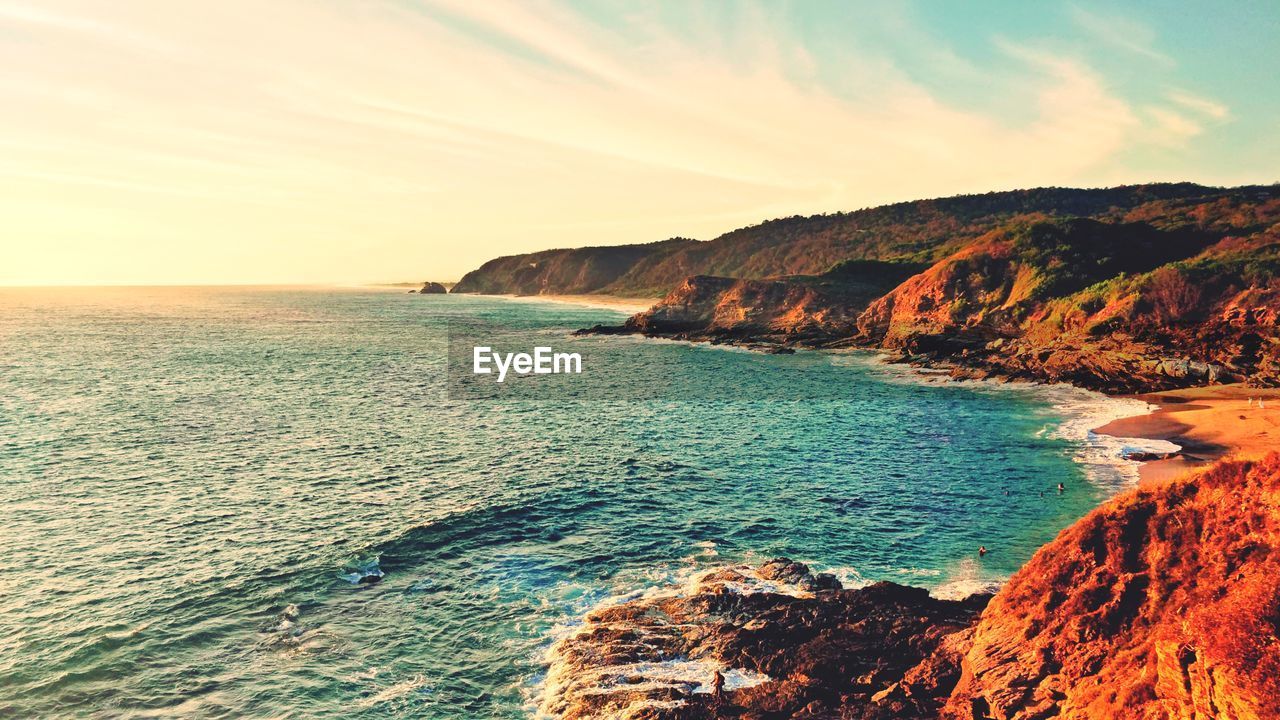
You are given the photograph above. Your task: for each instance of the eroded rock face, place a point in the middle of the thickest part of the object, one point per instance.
(432, 288)
(1163, 603)
(789, 644)
(709, 307)
(1116, 307)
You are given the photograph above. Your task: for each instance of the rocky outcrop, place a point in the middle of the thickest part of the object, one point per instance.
(1116, 307)
(711, 307)
(432, 288)
(781, 312)
(1162, 603)
(789, 644)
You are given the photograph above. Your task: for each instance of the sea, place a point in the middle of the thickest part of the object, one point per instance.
(267, 502)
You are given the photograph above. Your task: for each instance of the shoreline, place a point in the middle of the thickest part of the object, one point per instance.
(1209, 424)
(1092, 413)
(1082, 411)
(603, 302)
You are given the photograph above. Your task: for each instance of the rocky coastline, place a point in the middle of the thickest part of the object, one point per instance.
(1162, 603)
(998, 309)
(789, 643)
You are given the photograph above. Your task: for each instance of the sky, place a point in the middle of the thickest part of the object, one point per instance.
(364, 141)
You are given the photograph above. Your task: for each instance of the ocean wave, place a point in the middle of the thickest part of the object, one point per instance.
(639, 682)
(1078, 413)
(364, 572)
(1104, 458)
(416, 684)
(967, 577)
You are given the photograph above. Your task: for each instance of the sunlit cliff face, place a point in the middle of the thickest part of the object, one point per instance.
(145, 142)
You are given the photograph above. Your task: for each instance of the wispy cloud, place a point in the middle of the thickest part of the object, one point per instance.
(1121, 32)
(292, 133)
(1202, 105)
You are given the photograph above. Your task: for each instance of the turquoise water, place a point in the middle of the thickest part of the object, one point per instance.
(192, 479)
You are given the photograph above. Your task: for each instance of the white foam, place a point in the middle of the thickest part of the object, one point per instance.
(697, 674)
(1104, 457)
(1079, 413)
(681, 675)
(364, 569)
(392, 692)
(849, 577)
(964, 579)
(691, 580)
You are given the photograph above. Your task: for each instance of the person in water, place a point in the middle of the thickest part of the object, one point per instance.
(1062, 488)
(982, 550)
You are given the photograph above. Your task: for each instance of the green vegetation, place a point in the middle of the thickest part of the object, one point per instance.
(923, 231)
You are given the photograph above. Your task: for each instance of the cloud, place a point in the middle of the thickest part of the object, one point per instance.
(1120, 32)
(291, 136)
(1201, 105)
(1170, 128)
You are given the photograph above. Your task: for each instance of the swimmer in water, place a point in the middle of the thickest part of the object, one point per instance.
(982, 550)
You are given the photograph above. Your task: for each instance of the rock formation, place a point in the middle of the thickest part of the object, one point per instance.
(1164, 603)
(432, 288)
(789, 644)
(1117, 307)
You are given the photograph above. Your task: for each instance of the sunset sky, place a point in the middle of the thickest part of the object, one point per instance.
(173, 141)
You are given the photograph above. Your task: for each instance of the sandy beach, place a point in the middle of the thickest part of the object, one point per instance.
(1209, 423)
(611, 302)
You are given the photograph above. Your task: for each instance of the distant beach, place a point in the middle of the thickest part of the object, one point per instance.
(605, 302)
(1209, 423)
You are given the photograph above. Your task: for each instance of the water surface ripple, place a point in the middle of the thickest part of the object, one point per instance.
(192, 479)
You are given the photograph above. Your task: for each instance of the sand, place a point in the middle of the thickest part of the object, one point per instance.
(1210, 423)
(610, 302)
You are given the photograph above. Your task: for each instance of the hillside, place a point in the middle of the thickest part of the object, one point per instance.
(1171, 293)
(571, 271)
(917, 231)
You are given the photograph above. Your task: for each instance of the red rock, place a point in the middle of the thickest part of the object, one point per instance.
(1162, 603)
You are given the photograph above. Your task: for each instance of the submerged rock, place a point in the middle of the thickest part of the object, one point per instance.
(789, 643)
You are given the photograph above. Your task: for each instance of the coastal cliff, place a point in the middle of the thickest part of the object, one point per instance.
(1172, 294)
(566, 271)
(1162, 603)
(805, 310)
